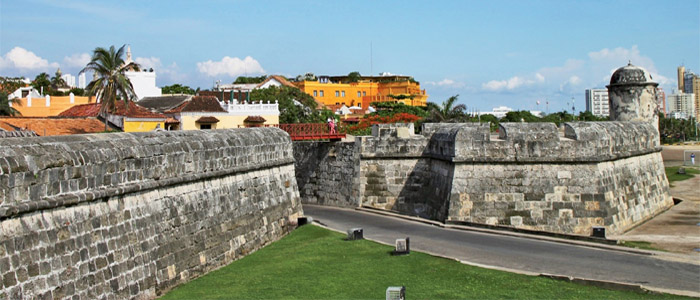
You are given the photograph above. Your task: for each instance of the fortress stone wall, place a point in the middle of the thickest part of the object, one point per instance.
(530, 176)
(131, 215)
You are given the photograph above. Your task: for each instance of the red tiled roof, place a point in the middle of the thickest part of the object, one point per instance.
(171, 121)
(255, 119)
(280, 79)
(82, 110)
(199, 104)
(93, 110)
(53, 126)
(207, 119)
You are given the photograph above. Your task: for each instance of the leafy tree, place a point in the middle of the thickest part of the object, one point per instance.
(295, 105)
(10, 84)
(244, 79)
(589, 116)
(491, 119)
(354, 76)
(447, 112)
(392, 108)
(5, 108)
(110, 84)
(677, 130)
(520, 116)
(57, 81)
(77, 91)
(178, 89)
(42, 83)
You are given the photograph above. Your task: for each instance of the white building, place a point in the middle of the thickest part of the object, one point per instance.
(82, 81)
(597, 102)
(681, 105)
(144, 81)
(69, 79)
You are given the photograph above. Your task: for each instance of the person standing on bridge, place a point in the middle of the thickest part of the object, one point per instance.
(331, 125)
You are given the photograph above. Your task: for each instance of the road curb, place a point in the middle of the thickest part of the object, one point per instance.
(511, 233)
(610, 285)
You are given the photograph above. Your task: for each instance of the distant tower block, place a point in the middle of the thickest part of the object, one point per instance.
(632, 96)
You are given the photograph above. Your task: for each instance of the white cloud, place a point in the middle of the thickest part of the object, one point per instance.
(446, 83)
(574, 80)
(575, 75)
(512, 83)
(170, 73)
(78, 60)
(22, 59)
(231, 66)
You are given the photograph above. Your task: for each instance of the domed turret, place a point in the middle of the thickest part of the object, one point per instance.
(632, 95)
(631, 74)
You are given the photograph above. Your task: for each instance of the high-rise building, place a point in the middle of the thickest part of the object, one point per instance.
(681, 105)
(82, 82)
(661, 99)
(689, 83)
(597, 102)
(69, 79)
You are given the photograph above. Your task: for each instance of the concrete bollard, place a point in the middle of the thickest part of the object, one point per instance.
(355, 234)
(402, 247)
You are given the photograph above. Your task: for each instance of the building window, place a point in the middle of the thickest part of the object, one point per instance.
(205, 126)
(321, 91)
(337, 103)
(315, 93)
(359, 94)
(342, 94)
(337, 94)
(364, 94)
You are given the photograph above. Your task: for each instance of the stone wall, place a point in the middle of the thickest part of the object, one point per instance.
(327, 172)
(131, 215)
(530, 175)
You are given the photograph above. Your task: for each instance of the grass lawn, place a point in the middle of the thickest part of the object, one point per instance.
(315, 263)
(672, 173)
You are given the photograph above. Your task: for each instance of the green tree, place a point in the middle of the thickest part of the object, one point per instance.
(520, 116)
(5, 108)
(10, 84)
(77, 91)
(57, 81)
(391, 108)
(42, 83)
(354, 76)
(110, 84)
(178, 89)
(447, 112)
(253, 79)
(295, 105)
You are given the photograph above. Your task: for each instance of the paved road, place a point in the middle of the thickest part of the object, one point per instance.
(517, 253)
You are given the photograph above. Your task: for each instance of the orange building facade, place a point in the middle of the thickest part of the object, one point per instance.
(49, 106)
(334, 91)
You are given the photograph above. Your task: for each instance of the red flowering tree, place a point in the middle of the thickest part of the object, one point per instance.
(365, 125)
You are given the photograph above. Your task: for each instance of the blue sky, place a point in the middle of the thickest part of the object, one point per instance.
(491, 53)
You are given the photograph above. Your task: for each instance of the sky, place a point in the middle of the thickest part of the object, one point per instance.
(490, 53)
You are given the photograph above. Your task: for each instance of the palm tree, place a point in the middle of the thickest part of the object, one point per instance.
(448, 112)
(5, 108)
(110, 84)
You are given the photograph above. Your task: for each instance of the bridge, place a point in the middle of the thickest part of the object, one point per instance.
(310, 131)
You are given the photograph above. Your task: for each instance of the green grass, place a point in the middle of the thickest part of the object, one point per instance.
(315, 263)
(672, 173)
(640, 245)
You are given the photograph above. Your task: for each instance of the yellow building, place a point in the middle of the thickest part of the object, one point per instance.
(134, 119)
(48, 106)
(187, 112)
(335, 91)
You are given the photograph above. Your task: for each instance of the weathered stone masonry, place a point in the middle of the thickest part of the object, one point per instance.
(131, 215)
(530, 176)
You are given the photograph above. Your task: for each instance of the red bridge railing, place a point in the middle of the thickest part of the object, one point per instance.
(310, 131)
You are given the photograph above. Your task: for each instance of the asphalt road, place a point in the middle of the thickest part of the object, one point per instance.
(517, 253)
